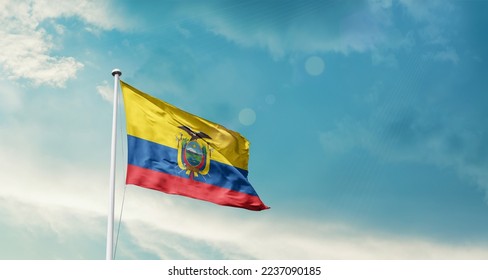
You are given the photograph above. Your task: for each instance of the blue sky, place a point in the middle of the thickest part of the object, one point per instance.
(367, 122)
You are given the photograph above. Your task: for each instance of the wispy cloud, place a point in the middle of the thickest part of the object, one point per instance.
(327, 26)
(102, 14)
(171, 227)
(106, 91)
(27, 47)
(297, 27)
(284, 238)
(436, 21)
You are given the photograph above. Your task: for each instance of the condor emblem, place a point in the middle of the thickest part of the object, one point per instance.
(193, 153)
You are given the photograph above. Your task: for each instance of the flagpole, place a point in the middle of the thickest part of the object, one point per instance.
(110, 223)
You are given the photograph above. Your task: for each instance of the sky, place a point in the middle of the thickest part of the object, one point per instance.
(366, 118)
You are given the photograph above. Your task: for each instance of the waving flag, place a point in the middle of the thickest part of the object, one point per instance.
(175, 152)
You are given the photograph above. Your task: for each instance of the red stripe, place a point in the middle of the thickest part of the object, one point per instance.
(170, 184)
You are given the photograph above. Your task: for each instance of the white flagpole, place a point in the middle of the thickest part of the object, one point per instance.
(110, 225)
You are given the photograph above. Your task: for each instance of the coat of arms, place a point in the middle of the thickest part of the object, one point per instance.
(193, 153)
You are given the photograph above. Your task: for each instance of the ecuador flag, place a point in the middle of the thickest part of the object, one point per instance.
(175, 152)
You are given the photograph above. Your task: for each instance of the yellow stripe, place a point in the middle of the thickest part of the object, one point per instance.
(154, 120)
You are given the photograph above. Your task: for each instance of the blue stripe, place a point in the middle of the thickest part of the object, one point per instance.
(157, 157)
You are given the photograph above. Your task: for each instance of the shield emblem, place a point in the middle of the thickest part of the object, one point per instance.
(193, 156)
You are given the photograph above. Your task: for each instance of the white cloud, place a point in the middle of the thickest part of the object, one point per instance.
(26, 46)
(106, 91)
(68, 200)
(168, 227)
(102, 14)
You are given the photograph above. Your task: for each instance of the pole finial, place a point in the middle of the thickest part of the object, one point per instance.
(116, 72)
